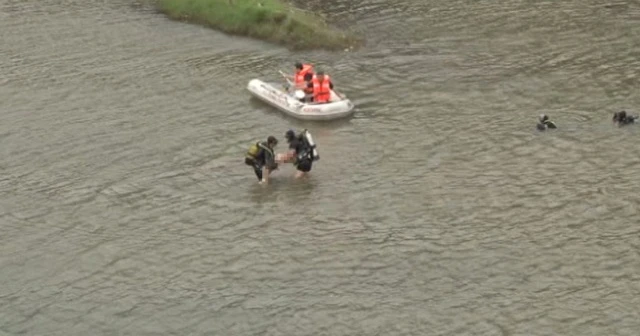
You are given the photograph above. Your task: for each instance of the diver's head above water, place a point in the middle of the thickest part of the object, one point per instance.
(544, 122)
(622, 118)
(543, 117)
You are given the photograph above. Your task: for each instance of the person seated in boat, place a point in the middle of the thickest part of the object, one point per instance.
(302, 75)
(261, 158)
(321, 87)
(308, 89)
(621, 118)
(544, 123)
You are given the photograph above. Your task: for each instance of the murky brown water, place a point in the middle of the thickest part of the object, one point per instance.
(437, 209)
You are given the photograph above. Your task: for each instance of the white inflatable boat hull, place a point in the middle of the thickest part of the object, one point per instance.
(275, 95)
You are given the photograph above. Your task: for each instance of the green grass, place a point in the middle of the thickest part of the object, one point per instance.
(271, 20)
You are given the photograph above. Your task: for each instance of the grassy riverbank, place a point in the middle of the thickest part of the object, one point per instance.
(271, 20)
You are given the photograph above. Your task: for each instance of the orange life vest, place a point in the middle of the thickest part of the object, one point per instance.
(299, 77)
(321, 91)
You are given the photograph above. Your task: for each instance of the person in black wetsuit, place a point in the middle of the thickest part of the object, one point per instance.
(544, 123)
(300, 153)
(261, 158)
(622, 118)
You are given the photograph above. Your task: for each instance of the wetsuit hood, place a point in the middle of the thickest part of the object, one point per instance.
(290, 135)
(543, 117)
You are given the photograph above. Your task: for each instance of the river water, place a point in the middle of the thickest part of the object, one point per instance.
(437, 209)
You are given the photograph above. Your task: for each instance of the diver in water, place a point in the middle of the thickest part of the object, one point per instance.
(621, 118)
(544, 123)
(261, 158)
(302, 152)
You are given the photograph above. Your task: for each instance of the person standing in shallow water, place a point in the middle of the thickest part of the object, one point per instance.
(300, 154)
(261, 158)
(544, 123)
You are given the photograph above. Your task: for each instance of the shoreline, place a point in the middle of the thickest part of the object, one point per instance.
(274, 21)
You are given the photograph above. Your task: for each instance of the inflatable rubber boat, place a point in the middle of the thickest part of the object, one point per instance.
(288, 101)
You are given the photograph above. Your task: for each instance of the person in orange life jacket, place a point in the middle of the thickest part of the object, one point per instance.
(303, 74)
(321, 86)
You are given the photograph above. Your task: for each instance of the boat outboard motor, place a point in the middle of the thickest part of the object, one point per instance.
(314, 151)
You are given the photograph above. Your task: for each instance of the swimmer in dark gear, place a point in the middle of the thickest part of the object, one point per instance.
(544, 123)
(300, 153)
(621, 118)
(260, 156)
